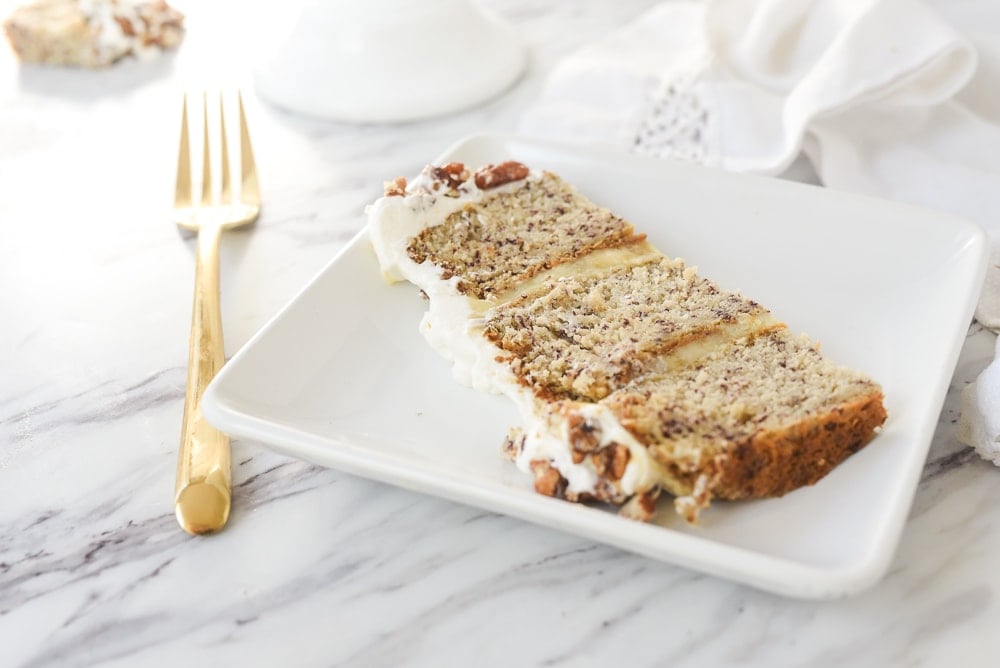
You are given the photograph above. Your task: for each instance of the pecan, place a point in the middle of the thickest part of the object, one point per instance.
(452, 175)
(601, 460)
(608, 492)
(619, 460)
(396, 188)
(611, 460)
(457, 170)
(548, 481)
(492, 176)
(583, 436)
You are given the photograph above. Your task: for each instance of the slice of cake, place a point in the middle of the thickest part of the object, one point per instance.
(92, 33)
(633, 374)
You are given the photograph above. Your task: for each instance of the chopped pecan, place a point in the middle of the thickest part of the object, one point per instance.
(608, 492)
(619, 460)
(457, 170)
(584, 437)
(641, 506)
(452, 175)
(611, 460)
(492, 176)
(548, 480)
(396, 187)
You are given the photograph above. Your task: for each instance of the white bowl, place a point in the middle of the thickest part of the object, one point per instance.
(386, 60)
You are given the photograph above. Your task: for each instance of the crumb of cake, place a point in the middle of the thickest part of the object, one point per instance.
(92, 33)
(690, 505)
(513, 443)
(584, 437)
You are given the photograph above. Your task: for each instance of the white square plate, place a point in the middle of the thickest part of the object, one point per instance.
(342, 378)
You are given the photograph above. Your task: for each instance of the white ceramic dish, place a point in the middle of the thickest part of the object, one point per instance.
(342, 378)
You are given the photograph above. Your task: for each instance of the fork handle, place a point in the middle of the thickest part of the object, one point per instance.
(204, 478)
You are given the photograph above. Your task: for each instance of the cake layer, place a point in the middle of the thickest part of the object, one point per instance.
(494, 244)
(585, 335)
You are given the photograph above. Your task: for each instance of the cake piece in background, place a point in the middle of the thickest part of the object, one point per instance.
(92, 33)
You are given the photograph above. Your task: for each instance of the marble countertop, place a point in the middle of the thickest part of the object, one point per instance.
(318, 567)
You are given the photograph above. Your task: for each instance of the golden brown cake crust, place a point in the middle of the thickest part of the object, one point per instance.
(773, 463)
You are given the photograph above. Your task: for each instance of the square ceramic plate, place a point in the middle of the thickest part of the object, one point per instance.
(342, 378)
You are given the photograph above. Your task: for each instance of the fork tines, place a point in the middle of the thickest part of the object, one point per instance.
(249, 188)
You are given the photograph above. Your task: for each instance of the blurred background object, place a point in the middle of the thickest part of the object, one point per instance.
(385, 60)
(92, 33)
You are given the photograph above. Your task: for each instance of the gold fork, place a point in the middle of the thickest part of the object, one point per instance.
(204, 479)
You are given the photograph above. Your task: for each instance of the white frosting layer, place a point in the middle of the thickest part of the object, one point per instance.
(453, 326)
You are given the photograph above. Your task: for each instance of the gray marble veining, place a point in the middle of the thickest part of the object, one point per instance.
(317, 567)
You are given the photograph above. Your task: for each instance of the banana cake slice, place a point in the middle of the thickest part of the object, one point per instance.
(633, 374)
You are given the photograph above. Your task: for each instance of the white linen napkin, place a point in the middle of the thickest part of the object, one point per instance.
(891, 98)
